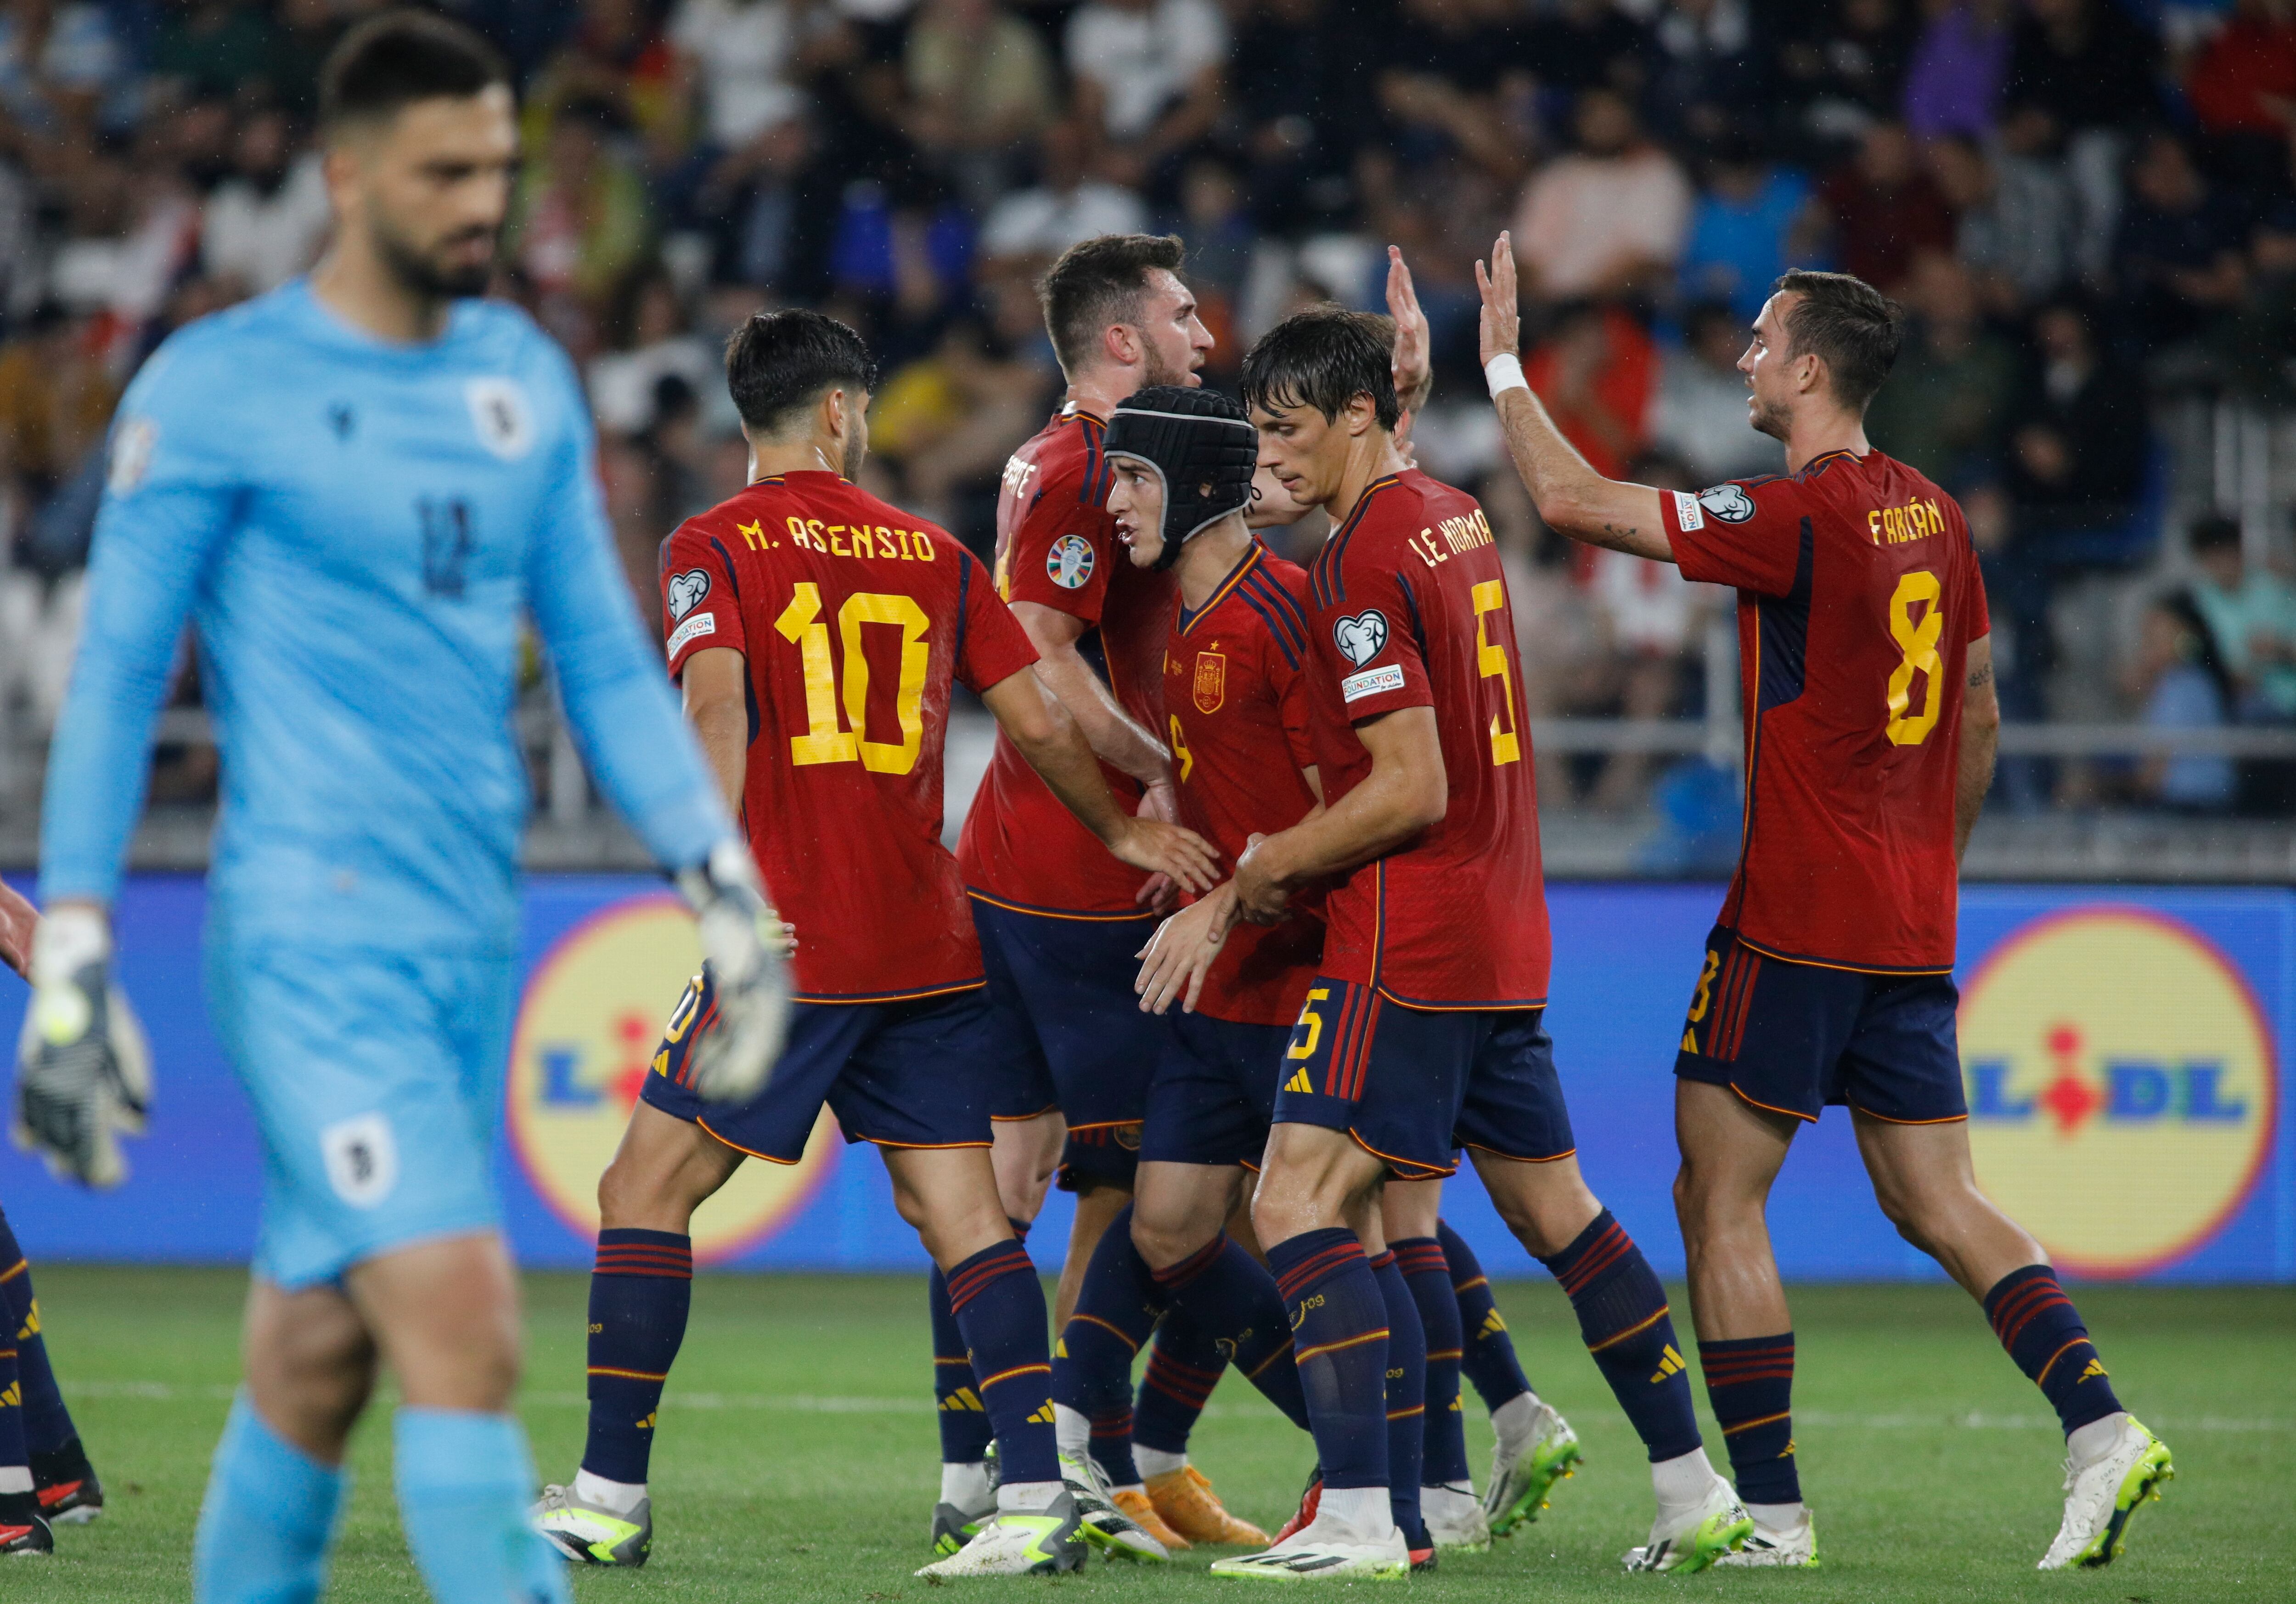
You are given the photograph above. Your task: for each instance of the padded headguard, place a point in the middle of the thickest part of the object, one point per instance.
(1202, 445)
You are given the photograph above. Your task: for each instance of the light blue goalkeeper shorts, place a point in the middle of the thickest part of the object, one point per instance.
(377, 1080)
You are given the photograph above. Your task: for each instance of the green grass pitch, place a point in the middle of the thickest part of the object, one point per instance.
(797, 1452)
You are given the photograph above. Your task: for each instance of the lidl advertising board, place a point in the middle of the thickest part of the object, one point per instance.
(2121, 1051)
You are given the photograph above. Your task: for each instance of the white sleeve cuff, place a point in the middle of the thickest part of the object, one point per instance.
(1504, 373)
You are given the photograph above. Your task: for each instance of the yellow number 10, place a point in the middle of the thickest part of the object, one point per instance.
(1490, 660)
(1918, 644)
(825, 741)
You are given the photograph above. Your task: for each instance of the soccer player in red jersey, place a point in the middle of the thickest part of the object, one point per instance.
(1235, 705)
(1867, 669)
(1058, 919)
(818, 633)
(1423, 1031)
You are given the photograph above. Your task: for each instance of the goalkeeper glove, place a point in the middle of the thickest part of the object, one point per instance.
(83, 1072)
(745, 945)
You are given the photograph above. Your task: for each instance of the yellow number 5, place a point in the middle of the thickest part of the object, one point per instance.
(1491, 661)
(1918, 643)
(1315, 1023)
(824, 740)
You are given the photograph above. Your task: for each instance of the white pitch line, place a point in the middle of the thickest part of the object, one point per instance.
(808, 1404)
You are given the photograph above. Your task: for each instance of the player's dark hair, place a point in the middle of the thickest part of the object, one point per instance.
(778, 362)
(388, 62)
(1325, 357)
(1098, 282)
(1848, 325)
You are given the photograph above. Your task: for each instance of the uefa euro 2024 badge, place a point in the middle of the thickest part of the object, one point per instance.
(1069, 562)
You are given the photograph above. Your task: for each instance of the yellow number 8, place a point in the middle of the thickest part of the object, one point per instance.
(1918, 642)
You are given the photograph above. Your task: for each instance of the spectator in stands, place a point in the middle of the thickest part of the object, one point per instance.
(60, 65)
(2014, 222)
(1753, 220)
(1301, 72)
(1576, 45)
(980, 91)
(212, 47)
(56, 397)
(2177, 260)
(1148, 76)
(1701, 419)
(2251, 617)
(1066, 205)
(2081, 439)
(1949, 393)
(1713, 67)
(748, 56)
(1607, 220)
(1953, 82)
(1844, 66)
(1653, 621)
(2242, 88)
(1441, 86)
(1597, 372)
(1884, 210)
(647, 327)
(265, 223)
(2094, 72)
(2177, 681)
(580, 220)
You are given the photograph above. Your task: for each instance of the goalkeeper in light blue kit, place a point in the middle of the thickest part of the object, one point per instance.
(357, 488)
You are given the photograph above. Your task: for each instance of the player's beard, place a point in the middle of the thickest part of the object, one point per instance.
(1156, 372)
(1773, 421)
(425, 275)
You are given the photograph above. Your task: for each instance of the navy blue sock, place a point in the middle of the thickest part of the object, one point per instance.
(1000, 1307)
(1338, 1338)
(1487, 1356)
(1230, 1295)
(1623, 1315)
(964, 1434)
(1406, 1398)
(1427, 1273)
(1184, 1366)
(640, 1294)
(1749, 1383)
(2037, 1323)
(1116, 1307)
(48, 1428)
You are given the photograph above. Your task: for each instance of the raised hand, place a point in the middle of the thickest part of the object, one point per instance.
(1412, 363)
(1502, 318)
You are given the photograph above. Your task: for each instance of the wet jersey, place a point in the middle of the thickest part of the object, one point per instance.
(1056, 546)
(1858, 594)
(855, 619)
(1235, 713)
(1410, 610)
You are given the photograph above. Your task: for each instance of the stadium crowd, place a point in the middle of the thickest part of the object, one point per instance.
(2088, 209)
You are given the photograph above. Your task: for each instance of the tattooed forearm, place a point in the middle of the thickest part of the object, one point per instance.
(1981, 676)
(1620, 536)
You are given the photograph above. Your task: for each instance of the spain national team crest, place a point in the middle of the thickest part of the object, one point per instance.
(592, 1017)
(1211, 680)
(2122, 1090)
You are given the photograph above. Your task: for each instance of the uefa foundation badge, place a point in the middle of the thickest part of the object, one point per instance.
(2123, 1091)
(587, 1032)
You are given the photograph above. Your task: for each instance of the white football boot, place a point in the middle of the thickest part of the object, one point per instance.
(2101, 1494)
(1454, 1518)
(1715, 1525)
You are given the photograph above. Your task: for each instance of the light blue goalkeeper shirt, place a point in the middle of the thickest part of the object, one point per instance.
(356, 530)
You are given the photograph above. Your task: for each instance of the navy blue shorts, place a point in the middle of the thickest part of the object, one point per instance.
(1214, 1094)
(1793, 1037)
(1414, 1085)
(900, 1074)
(1067, 1032)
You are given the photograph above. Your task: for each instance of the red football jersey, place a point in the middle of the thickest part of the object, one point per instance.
(1235, 709)
(1858, 594)
(1056, 545)
(854, 618)
(1411, 611)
